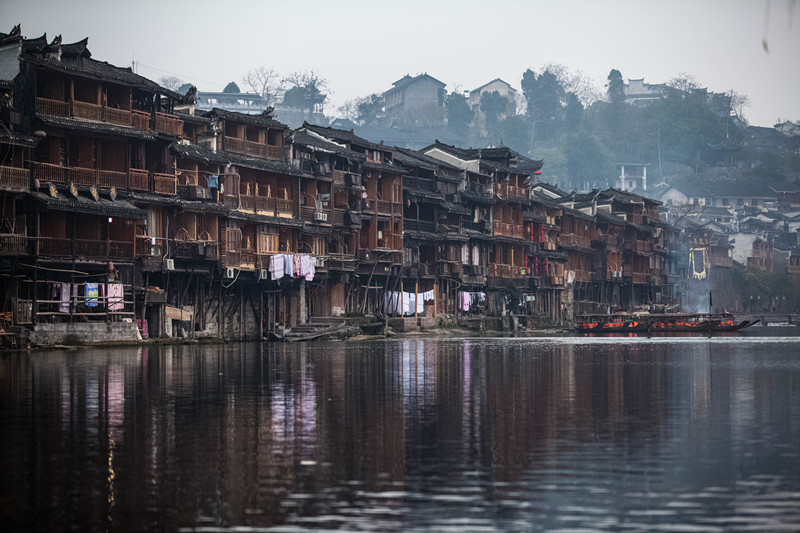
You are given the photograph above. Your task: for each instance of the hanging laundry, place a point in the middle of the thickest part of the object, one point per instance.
(63, 306)
(428, 295)
(288, 260)
(213, 182)
(277, 266)
(91, 292)
(116, 297)
(296, 265)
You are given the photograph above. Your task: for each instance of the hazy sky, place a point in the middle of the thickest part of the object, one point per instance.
(362, 47)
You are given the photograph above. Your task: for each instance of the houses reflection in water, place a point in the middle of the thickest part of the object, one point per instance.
(264, 435)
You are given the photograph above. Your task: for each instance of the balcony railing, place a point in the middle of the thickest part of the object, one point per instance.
(85, 248)
(11, 244)
(94, 112)
(508, 229)
(169, 124)
(574, 240)
(140, 120)
(111, 178)
(504, 190)
(391, 242)
(15, 178)
(165, 184)
(389, 208)
(87, 111)
(499, 270)
(420, 184)
(419, 225)
(256, 149)
(53, 108)
(139, 179)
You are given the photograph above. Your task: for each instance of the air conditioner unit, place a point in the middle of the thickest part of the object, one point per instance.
(263, 274)
(169, 264)
(321, 217)
(230, 273)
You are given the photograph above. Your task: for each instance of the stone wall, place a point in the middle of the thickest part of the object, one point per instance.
(85, 333)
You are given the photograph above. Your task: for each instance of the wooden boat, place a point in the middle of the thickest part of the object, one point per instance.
(659, 323)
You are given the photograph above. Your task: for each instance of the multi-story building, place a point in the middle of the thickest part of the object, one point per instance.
(128, 211)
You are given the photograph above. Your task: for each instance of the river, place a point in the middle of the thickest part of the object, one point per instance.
(518, 434)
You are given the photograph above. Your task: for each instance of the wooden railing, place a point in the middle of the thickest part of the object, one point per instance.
(15, 178)
(504, 190)
(389, 208)
(338, 177)
(165, 184)
(574, 240)
(11, 244)
(506, 271)
(87, 111)
(416, 183)
(140, 120)
(610, 239)
(120, 117)
(256, 149)
(85, 248)
(232, 259)
(391, 242)
(53, 108)
(112, 178)
(418, 225)
(139, 179)
(100, 113)
(170, 124)
(508, 229)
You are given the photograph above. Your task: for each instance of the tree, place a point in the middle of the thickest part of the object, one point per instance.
(170, 82)
(616, 87)
(573, 113)
(515, 132)
(576, 82)
(544, 95)
(305, 90)
(231, 88)
(184, 88)
(264, 82)
(459, 114)
(492, 106)
(365, 111)
(588, 161)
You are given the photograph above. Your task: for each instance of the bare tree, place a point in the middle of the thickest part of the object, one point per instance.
(265, 82)
(575, 81)
(738, 102)
(684, 84)
(170, 82)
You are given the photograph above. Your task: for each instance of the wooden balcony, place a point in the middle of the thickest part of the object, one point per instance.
(418, 184)
(231, 259)
(389, 208)
(509, 229)
(140, 120)
(255, 149)
(165, 184)
(94, 112)
(390, 242)
(499, 270)
(53, 108)
(13, 178)
(574, 240)
(13, 244)
(338, 177)
(419, 225)
(139, 179)
(506, 191)
(85, 249)
(609, 239)
(111, 178)
(87, 111)
(169, 124)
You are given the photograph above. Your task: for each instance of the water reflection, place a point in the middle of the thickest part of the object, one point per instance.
(508, 434)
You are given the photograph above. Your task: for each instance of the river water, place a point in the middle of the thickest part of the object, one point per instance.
(567, 434)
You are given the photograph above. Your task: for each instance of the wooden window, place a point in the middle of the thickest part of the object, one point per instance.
(268, 243)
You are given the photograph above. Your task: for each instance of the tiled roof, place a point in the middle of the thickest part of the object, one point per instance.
(87, 67)
(96, 127)
(85, 204)
(344, 136)
(193, 151)
(19, 139)
(264, 120)
(304, 137)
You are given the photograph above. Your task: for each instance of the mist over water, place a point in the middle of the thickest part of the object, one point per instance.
(575, 434)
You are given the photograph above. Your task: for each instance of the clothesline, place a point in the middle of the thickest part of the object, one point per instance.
(406, 303)
(292, 265)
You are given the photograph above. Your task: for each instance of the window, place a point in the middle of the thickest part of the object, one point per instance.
(268, 243)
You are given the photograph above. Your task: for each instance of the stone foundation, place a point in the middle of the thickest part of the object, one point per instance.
(85, 333)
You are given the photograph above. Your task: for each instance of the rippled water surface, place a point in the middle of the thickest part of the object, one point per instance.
(689, 434)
